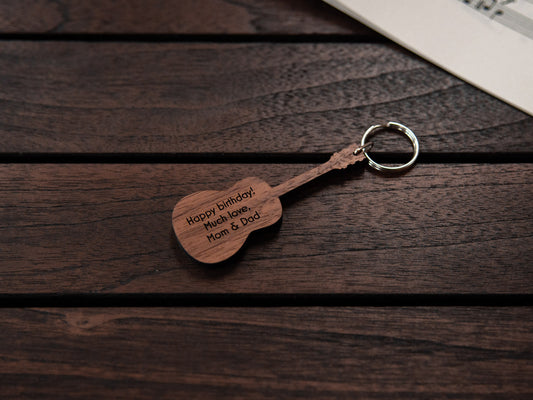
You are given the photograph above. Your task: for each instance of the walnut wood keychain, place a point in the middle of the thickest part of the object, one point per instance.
(213, 225)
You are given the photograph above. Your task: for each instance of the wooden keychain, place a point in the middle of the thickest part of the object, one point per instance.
(212, 226)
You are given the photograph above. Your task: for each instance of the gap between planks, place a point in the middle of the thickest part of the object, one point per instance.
(253, 158)
(187, 38)
(264, 300)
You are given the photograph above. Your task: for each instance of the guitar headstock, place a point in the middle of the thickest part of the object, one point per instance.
(348, 156)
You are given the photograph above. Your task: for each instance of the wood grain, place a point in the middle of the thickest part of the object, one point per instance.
(274, 17)
(107, 228)
(79, 97)
(265, 353)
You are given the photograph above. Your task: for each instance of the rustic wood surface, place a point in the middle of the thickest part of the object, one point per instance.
(161, 99)
(107, 228)
(264, 353)
(79, 97)
(257, 17)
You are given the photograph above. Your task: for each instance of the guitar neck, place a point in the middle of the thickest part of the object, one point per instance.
(339, 160)
(302, 179)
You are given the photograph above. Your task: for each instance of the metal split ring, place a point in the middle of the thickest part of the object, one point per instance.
(397, 127)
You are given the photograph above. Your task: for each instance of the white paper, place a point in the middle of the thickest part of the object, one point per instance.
(488, 43)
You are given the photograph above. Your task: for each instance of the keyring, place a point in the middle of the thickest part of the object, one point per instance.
(397, 127)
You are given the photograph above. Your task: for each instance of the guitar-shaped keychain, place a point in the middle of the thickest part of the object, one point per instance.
(213, 225)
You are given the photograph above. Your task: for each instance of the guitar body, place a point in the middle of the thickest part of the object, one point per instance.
(211, 226)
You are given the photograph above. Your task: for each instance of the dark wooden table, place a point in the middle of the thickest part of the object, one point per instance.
(375, 287)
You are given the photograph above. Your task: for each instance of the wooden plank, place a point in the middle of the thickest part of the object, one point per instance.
(107, 228)
(265, 353)
(271, 17)
(196, 98)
